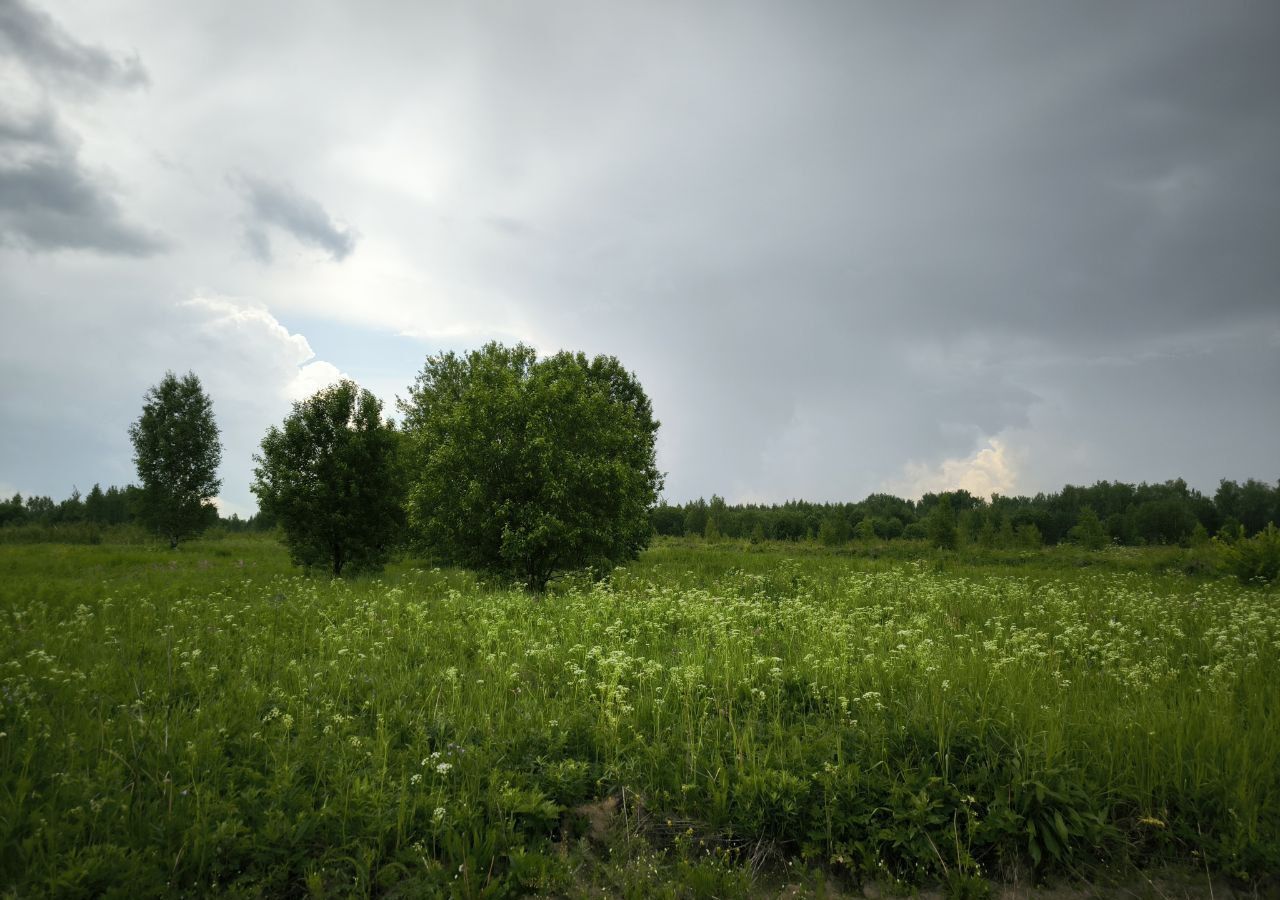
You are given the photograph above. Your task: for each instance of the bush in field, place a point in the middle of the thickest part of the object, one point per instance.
(530, 467)
(177, 452)
(1255, 559)
(330, 476)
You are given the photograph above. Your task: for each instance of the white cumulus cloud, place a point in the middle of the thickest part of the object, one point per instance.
(991, 469)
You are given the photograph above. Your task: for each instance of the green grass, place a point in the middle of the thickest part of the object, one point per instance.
(207, 721)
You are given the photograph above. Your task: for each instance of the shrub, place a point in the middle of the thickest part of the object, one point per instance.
(1253, 560)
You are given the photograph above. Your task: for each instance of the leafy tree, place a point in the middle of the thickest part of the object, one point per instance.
(1254, 503)
(177, 452)
(120, 505)
(712, 530)
(940, 524)
(667, 520)
(40, 509)
(865, 531)
(987, 532)
(95, 505)
(834, 530)
(716, 516)
(1029, 536)
(71, 510)
(1088, 531)
(331, 477)
(748, 521)
(889, 528)
(789, 524)
(12, 511)
(530, 467)
(695, 517)
(884, 507)
(916, 531)
(1122, 527)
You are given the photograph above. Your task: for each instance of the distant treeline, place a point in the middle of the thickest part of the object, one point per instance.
(1115, 512)
(1118, 513)
(114, 506)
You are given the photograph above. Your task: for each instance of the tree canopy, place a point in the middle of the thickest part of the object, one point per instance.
(177, 451)
(1169, 512)
(530, 467)
(330, 476)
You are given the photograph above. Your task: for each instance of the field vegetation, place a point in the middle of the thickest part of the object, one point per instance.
(705, 721)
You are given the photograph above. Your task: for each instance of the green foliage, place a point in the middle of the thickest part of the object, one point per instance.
(1005, 537)
(12, 511)
(530, 467)
(834, 530)
(668, 520)
(1251, 505)
(1254, 560)
(865, 530)
(712, 530)
(695, 517)
(177, 451)
(940, 524)
(916, 531)
(987, 536)
(889, 528)
(331, 477)
(1167, 513)
(213, 723)
(716, 514)
(76, 533)
(1028, 536)
(1088, 531)
(1231, 531)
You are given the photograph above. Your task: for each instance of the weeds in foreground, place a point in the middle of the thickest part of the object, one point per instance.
(208, 723)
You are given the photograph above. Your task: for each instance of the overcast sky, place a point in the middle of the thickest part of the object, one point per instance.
(846, 247)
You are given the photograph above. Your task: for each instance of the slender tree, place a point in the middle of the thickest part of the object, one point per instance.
(177, 451)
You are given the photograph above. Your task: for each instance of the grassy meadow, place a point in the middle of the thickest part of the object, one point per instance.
(708, 721)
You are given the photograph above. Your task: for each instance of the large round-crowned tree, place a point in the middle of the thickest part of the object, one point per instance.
(177, 451)
(331, 477)
(529, 467)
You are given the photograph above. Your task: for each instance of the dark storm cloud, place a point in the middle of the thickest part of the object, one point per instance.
(50, 52)
(49, 201)
(274, 203)
(842, 237)
(1115, 192)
